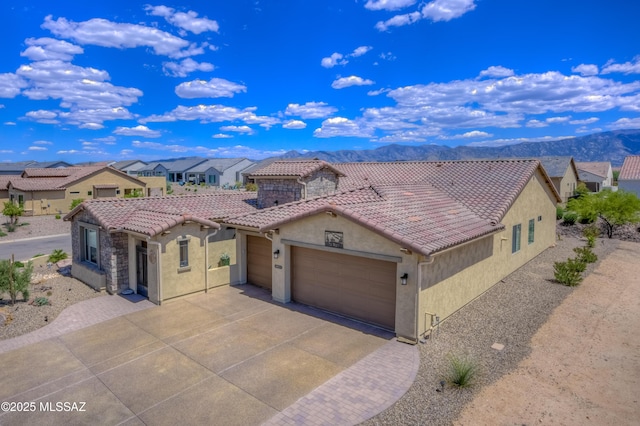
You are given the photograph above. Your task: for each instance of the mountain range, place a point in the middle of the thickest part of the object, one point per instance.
(606, 146)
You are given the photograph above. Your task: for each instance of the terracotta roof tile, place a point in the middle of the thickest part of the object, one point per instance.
(293, 168)
(58, 179)
(598, 168)
(630, 168)
(150, 216)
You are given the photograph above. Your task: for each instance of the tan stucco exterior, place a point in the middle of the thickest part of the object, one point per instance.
(566, 185)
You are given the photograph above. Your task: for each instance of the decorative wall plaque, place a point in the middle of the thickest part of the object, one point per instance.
(333, 239)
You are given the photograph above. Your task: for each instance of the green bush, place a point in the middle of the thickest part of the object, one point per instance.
(569, 218)
(463, 371)
(251, 187)
(41, 301)
(15, 279)
(57, 255)
(591, 232)
(585, 255)
(75, 203)
(559, 213)
(58, 216)
(569, 273)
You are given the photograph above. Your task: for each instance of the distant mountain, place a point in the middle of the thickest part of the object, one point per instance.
(607, 146)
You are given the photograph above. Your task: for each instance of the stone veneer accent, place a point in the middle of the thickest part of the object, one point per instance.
(114, 260)
(286, 190)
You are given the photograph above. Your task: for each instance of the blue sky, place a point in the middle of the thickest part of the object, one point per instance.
(96, 81)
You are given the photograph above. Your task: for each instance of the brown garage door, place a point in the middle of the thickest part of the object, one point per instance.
(354, 286)
(259, 261)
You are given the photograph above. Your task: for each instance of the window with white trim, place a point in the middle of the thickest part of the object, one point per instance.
(184, 253)
(90, 245)
(532, 230)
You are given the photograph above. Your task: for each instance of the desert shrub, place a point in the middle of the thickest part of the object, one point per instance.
(76, 202)
(15, 279)
(559, 213)
(58, 216)
(463, 371)
(41, 301)
(57, 255)
(569, 218)
(569, 273)
(581, 190)
(591, 232)
(225, 260)
(251, 187)
(585, 255)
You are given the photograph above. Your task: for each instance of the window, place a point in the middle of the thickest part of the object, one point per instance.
(515, 241)
(539, 218)
(89, 192)
(184, 253)
(532, 230)
(90, 246)
(21, 200)
(212, 178)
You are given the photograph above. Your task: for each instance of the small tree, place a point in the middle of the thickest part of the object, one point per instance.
(76, 202)
(13, 212)
(15, 279)
(614, 208)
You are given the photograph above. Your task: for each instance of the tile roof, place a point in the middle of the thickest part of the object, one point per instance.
(126, 164)
(298, 169)
(598, 168)
(183, 164)
(58, 179)
(151, 216)
(4, 181)
(220, 164)
(557, 166)
(630, 168)
(425, 206)
(151, 167)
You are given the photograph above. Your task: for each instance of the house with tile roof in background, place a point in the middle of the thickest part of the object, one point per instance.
(629, 178)
(130, 167)
(43, 191)
(596, 175)
(223, 172)
(398, 245)
(563, 173)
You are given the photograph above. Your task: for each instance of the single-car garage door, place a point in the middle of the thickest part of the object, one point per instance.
(259, 261)
(354, 286)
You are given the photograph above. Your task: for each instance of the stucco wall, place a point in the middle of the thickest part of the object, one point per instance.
(458, 276)
(567, 185)
(630, 186)
(156, 185)
(357, 241)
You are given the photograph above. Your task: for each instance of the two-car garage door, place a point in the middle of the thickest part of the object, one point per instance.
(354, 286)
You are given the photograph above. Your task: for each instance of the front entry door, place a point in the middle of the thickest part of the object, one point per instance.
(141, 268)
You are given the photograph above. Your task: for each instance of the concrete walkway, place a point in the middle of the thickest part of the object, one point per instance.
(221, 350)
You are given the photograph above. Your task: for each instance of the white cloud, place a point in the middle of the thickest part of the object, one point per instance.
(505, 142)
(536, 124)
(43, 143)
(185, 67)
(37, 148)
(231, 151)
(555, 120)
(214, 88)
(333, 60)
(626, 123)
(102, 32)
(626, 68)
(586, 121)
(294, 124)
(388, 4)
(137, 131)
(222, 136)
(212, 114)
(585, 69)
(46, 48)
(10, 85)
(352, 80)
(238, 129)
(340, 126)
(93, 118)
(187, 21)
(436, 10)
(472, 134)
(9, 123)
(42, 116)
(359, 51)
(91, 126)
(497, 71)
(310, 110)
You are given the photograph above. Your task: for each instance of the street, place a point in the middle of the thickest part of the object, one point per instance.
(27, 248)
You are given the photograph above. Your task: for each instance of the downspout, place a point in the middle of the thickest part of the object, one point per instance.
(304, 186)
(418, 285)
(206, 260)
(158, 267)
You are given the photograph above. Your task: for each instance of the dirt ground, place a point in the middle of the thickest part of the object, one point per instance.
(585, 362)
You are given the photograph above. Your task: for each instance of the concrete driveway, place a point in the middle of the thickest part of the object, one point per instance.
(226, 357)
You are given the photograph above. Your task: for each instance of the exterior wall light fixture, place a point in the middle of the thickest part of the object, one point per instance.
(403, 278)
(276, 254)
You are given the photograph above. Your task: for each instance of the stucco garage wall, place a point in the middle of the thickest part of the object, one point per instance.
(357, 240)
(458, 276)
(630, 186)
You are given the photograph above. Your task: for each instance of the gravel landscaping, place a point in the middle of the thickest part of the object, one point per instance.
(35, 226)
(509, 313)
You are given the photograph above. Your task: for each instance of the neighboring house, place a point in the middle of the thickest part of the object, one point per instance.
(218, 171)
(177, 169)
(596, 175)
(51, 191)
(19, 167)
(399, 245)
(4, 188)
(563, 173)
(629, 178)
(156, 169)
(130, 167)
